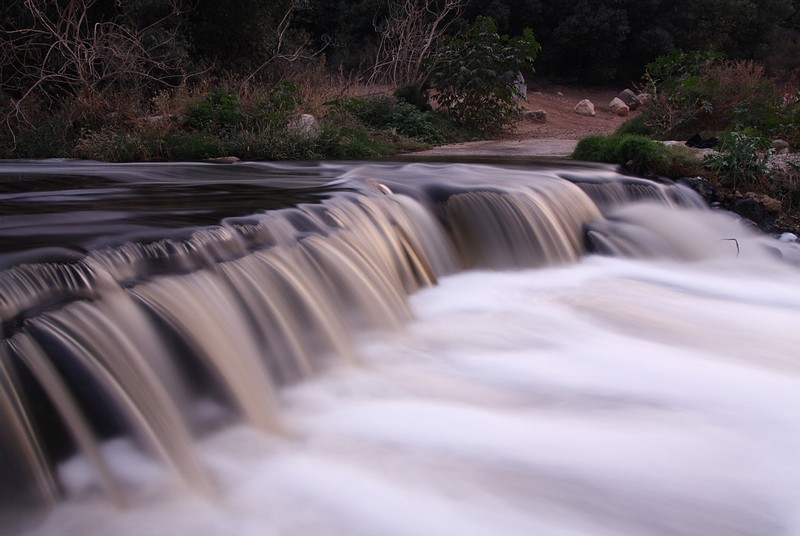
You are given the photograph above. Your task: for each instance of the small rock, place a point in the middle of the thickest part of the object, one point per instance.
(223, 160)
(788, 237)
(780, 146)
(618, 107)
(585, 107)
(630, 99)
(535, 116)
(305, 124)
(559, 94)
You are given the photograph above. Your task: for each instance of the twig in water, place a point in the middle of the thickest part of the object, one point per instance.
(735, 242)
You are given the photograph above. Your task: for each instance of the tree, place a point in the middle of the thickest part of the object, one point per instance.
(475, 73)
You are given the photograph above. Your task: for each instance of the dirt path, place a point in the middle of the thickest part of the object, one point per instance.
(557, 137)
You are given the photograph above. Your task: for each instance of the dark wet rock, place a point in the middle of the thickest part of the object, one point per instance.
(762, 210)
(702, 186)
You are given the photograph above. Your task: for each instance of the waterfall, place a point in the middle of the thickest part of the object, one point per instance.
(166, 334)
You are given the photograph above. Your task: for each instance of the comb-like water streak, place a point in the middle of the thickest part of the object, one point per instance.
(274, 360)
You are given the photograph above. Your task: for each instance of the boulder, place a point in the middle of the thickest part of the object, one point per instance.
(304, 124)
(618, 107)
(630, 99)
(585, 107)
(535, 116)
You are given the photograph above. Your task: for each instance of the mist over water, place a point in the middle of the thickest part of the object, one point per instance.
(655, 395)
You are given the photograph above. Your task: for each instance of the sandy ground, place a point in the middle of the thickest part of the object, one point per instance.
(557, 137)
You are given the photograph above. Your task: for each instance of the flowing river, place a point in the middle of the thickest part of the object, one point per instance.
(390, 349)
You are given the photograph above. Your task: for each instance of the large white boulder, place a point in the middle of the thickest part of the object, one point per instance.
(585, 107)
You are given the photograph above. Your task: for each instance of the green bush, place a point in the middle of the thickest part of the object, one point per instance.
(595, 148)
(385, 114)
(638, 154)
(375, 112)
(218, 112)
(635, 125)
(410, 122)
(475, 73)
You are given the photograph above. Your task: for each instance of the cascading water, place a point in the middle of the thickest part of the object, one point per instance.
(390, 349)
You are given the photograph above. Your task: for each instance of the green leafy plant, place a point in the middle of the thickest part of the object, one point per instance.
(474, 75)
(741, 160)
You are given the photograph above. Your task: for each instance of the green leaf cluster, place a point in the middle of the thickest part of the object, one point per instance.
(741, 161)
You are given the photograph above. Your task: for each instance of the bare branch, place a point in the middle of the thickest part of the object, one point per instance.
(300, 51)
(408, 35)
(62, 52)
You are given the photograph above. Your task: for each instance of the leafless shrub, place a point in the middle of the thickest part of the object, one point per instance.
(61, 54)
(409, 34)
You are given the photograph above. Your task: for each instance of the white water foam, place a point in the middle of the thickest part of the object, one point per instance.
(610, 397)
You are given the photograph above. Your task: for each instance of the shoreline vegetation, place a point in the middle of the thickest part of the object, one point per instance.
(139, 80)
